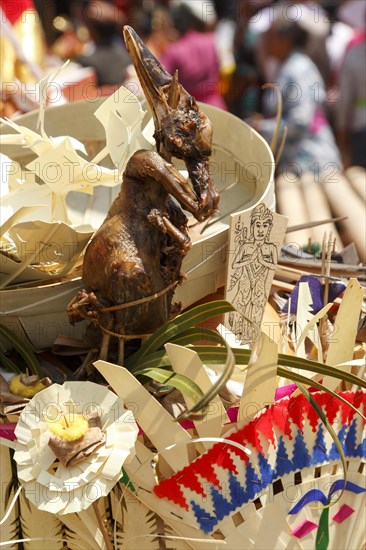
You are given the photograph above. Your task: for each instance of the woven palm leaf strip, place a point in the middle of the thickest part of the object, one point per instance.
(287, 437)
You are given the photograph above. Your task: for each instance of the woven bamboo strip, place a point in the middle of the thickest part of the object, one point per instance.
(260, 383)
(148, 412)
(191, 366)
(341, 346)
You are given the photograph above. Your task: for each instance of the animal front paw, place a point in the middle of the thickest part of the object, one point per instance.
(78, 308)
(156, 217)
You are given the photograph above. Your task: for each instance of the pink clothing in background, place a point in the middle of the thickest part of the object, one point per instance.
(195, 57)
(319, 121)
(358, 38)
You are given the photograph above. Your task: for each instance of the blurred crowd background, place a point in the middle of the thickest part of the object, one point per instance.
(224, 50)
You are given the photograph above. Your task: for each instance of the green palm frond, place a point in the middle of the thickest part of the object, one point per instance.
(152, 361)
(8, 364)
(166, 377)
(299, 379)
(205, 400)
(22, 348)
(177, 326)
(330, 429)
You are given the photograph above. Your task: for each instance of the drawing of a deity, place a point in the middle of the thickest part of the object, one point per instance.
(254, 257)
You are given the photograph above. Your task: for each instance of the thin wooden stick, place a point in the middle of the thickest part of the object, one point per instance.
(334, 245)
(121, 351)
(309, 245)
(327, 268)
(104, 347)
(274, 139)
(282, 145)
(307, 225)
(323, 253)
(323, 269)
(101, 526)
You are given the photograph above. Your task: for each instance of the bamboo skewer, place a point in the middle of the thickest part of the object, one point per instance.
(274, 140)
(310, 224)
(102, 527)
(328, 256)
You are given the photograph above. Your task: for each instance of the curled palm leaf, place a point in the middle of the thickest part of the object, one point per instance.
(176, 327)
(23, 349)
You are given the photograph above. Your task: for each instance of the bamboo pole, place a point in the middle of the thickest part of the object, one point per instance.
(290, 203)
(344, 201)
(318, 209)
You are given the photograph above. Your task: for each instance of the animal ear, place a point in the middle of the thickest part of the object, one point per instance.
(174, 92)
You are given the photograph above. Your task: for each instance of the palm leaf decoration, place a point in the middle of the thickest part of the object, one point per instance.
(76, 534)
(173, 329)
(136, 526)
(139, 527)
(37, 525)
(212, 349)
(11, 529)
(151, 359)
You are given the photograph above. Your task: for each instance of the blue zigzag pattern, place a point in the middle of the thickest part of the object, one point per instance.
(242, 480)
(302, 457)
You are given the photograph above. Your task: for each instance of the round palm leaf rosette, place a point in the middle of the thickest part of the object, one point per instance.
(277, 496)
(63, 489)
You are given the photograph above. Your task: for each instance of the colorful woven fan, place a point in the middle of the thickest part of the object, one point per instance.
(293, 464)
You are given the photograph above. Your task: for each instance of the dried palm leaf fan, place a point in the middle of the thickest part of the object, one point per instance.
(290, 475)
(227, 476)
(231, 495)
(261, 483)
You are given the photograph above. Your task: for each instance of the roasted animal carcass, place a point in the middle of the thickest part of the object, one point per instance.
(138, 251)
